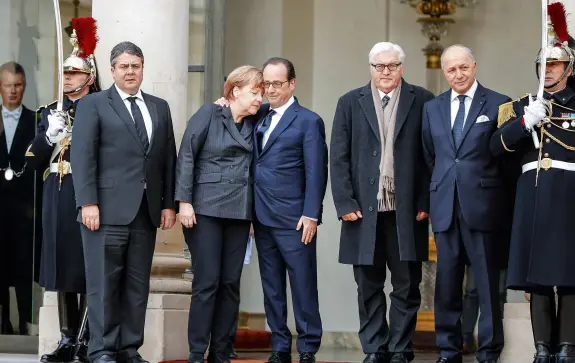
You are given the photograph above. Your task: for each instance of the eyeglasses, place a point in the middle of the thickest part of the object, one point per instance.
(274, 84)
(381, 67)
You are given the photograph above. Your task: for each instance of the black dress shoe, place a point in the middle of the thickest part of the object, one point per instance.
(447, 360)
(374, 358)
(542, 353)
(398, 358)
(63, 353)
(490, 361)
(218, 357)
(136, 359)
(105, 359)
(279, 357)
(196, 358)
(566, 353)
(307, 357)
(232, 354)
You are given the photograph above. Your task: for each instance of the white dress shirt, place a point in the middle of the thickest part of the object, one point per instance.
(143, 108)
(276, 119)
(455, 102)
(383, 94)
(10, 119)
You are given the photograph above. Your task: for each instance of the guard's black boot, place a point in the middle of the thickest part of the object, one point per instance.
(63, 353)
(69, 317)
(81, 354)
(566, 353)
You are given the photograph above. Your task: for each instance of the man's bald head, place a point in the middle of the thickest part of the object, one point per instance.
(458, 64)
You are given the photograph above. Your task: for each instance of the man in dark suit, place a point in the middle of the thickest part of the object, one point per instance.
(379, 187)
(467, 208)
(124, 165)
(17, 130)
(290, 174)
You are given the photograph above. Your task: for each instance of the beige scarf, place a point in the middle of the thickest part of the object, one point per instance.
(386, 120)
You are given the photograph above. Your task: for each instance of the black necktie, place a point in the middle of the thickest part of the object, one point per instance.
(139, 122)
(459, 120)
(384, 101)
(263, 128)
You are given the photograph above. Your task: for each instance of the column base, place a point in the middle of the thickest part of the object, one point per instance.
(165, 334)
(518, 334)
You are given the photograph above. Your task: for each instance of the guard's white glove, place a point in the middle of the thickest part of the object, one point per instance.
(56, 127)
(534, 113)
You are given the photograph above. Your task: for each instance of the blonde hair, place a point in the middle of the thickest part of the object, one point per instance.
(242, 76)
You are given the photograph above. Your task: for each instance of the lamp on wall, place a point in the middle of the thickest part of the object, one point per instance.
(434, 26)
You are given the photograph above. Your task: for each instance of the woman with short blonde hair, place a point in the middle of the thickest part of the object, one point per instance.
(215, 195)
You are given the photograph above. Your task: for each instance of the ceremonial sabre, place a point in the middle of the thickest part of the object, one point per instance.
(543, 63)
(60, 56)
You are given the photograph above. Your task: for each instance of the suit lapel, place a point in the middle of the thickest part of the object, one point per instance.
(446, 116)
(120, 108)
(286, 120)
(368, 108)
(228, 121)
(406, 99)
(476, 107)
(3, 138)
(153, 110)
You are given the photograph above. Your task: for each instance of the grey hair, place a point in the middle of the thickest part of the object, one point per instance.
(13, 67)
(125, 47)
(460, 46)
(386, 47)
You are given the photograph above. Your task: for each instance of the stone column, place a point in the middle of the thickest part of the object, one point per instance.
(6, 36)
(160, 29)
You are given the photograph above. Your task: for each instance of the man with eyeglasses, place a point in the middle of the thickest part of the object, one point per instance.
(290, 175)
(380, 189)
(469, 204)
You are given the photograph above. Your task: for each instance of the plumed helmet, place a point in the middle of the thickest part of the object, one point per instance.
(84, 39)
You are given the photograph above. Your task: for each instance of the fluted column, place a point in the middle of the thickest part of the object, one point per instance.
(160, 29)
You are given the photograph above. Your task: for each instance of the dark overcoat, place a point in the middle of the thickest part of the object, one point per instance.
(62, 258)
(354, 170)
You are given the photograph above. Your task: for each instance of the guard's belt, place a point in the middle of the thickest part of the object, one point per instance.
(547, 164)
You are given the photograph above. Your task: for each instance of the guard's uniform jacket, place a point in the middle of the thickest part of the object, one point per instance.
(542, 251)
(62, 261)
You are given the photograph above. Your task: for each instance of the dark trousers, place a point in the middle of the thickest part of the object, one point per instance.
(455, 247)
(281, 250)
(471, 304)
(217, 247)
(374, 333)
(118, 261)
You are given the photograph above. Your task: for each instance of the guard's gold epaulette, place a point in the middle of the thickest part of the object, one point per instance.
(45, 106)
(506, 111)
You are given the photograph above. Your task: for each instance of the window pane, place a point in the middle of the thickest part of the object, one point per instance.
(195, 92)
(197, 37)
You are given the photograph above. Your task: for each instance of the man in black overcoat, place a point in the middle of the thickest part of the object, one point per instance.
(380, 189)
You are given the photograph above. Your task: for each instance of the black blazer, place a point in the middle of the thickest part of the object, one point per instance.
(213, 172)
(19, 189)
(110, 167)
(355, 154)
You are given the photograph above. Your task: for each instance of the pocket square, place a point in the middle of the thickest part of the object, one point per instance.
(482, 118)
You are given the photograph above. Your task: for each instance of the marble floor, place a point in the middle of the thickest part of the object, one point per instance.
(326, 355)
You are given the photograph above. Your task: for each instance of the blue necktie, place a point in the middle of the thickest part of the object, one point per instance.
(263, 128)
(457, 130)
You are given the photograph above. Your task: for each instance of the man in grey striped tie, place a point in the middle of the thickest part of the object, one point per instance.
(468, 207)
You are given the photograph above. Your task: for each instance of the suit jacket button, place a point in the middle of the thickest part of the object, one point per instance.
(371, 181)
(143, 180)
(456, 160)
(375, 153)
(370, 208)
(245, 183)
(246, 168)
